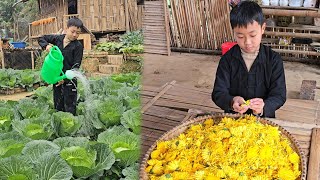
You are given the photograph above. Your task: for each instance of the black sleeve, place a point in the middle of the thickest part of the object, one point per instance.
(277, 92)
(220, 95)
(78, 54)
(47, 39)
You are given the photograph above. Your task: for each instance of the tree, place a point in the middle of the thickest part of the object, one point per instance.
(25, 12)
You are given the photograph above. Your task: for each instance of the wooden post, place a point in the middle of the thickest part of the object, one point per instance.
(2, 58)
(30, 41)
(165, 7)
(32, 60)
(127, 15)
(314, 159)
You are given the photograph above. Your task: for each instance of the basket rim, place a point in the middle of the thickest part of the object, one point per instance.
(186, 124)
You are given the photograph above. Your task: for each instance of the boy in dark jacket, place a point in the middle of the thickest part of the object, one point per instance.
(249, 70)
(65, 91)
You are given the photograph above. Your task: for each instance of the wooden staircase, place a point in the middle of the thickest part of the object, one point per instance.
(156, 28)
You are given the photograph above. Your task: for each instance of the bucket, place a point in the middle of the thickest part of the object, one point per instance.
(309, 3)
(225, 47)
(284, 2)
(52, 67)
(295, 3)
(18, 44)
(274, 2)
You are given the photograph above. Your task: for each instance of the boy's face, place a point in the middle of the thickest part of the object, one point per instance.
(249, 38)
(73, 32)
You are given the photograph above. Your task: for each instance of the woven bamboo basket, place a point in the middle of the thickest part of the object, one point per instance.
(175, 132)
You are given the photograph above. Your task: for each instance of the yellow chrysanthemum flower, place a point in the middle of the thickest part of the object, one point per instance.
(155, 154)
(211, 176)
(294, 158)
(233, 149)
(166, 177)
(181, 175)
(158, 169)
(286, 174)
(152, 162)
(221, 174)
(208, 123)
(197, 166)
(170, 156)
(197, 127)
(199, 175)
(265, 153)
(148, 169)
(172, 166)
(162, 146)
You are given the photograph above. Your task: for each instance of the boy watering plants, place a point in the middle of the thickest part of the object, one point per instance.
(65, 91)
(250, 76)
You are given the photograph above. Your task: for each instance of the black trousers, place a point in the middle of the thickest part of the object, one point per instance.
(65, 96)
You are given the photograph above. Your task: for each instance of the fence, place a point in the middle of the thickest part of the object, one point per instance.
(20, 58)
(200, 24)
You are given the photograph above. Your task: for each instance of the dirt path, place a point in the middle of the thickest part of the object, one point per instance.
(194, 70)
(15, 97)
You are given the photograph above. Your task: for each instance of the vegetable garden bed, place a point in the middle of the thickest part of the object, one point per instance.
(102, 141)
(15, 81)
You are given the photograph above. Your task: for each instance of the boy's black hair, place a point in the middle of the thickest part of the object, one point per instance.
(75, 22)
(244, 13)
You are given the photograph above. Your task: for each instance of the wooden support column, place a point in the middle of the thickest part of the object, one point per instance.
(1, 55)
(127, 15)
(32, 60)
(314, 158)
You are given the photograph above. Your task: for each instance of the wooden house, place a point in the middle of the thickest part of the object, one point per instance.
(98, 16)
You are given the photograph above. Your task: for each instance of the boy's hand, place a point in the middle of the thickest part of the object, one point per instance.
(257, 104)
(48, 47)
(238, 105)
(59, 83)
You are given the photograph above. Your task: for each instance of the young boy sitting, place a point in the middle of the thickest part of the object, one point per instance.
(65, 92)
(250, 76)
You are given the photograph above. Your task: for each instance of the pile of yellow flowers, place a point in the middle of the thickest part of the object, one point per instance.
(233, 149)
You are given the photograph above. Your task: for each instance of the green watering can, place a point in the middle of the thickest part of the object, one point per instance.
(52, 67)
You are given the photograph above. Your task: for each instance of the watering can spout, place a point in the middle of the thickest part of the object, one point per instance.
(52, 67)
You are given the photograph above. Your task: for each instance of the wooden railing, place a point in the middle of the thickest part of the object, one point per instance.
(43, 26)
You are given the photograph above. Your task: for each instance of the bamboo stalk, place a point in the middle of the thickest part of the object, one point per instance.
(188, 23)
(210, 25)
(204, 25)
(183, 23)
(194, 27)
(291, 34)
(283, 12)
(165, 6)
(199, 13)
(314, 159)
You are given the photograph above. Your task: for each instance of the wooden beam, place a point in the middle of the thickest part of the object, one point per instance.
(127, 15)
(314, 159)
(285, 12)
(164, 90)
(291, 34)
